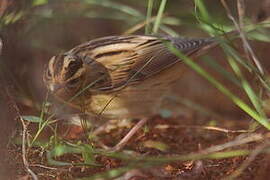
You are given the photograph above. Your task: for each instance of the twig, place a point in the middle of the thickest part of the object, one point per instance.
(206, 128)
(236, 142)
(246, 44)
(42, 166)
(25, 125)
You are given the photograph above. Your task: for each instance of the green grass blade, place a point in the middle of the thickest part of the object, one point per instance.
(159, 16)
(114, 5)
(218, 68)
(246, 108)
(246, 86)
(148, 16)
(202, 10)
(154, 161)
(169, 31)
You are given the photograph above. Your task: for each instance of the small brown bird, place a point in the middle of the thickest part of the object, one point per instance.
(120, 76)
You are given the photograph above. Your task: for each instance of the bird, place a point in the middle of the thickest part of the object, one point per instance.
(118, 77)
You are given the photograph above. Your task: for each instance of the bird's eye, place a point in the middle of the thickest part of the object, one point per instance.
(73, 82)
(72, 68)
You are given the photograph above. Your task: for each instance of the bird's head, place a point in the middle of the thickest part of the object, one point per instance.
(64, 74)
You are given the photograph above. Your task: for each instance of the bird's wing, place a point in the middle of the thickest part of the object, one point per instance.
(130, 59)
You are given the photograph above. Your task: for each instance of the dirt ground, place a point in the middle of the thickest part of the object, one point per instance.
(176, 139)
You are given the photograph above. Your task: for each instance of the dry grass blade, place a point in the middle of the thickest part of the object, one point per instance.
(248, 161)
(246, 45)
(241, 12)
(238, 141)
(24, 134)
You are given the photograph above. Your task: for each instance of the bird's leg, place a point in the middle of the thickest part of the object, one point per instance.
(129, 135)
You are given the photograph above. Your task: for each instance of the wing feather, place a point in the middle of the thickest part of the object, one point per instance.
(131, 59)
